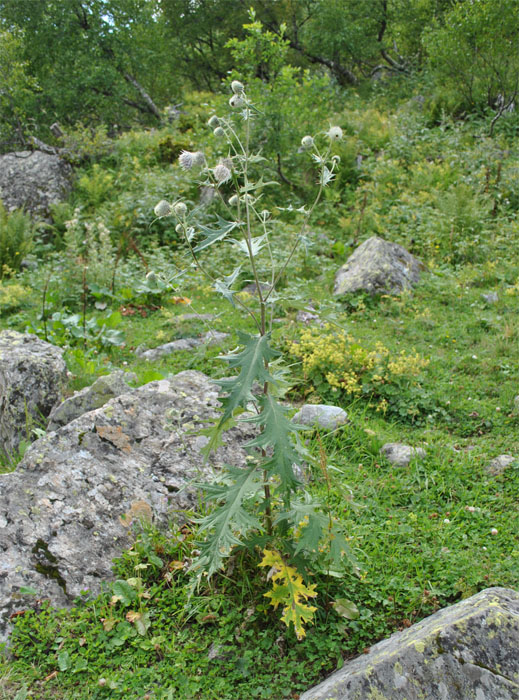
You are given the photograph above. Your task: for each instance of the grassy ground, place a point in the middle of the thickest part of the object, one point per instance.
(425, 535)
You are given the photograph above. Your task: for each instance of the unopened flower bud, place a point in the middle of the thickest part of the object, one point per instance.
(236, 101)
(214, 122)
(335, 133)
(179, 228)
(237, 87)
(151, 276)
(101, 682)
(219, 132)
(180, 209)
(265, 214)
(233, 201)
(198, 159)
(162, 208)
(307, 142)
(221, 173)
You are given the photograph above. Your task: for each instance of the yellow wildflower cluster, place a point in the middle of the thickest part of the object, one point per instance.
(332, 358)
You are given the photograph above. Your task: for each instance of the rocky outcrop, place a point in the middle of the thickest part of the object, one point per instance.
(65, 511)
(498, 465)
(32, 379)
(465, 652)
(378, 267)
(33, 180)
(91, 397)
(209, 338)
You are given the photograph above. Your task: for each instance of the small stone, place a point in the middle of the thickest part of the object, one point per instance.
(499, 464)
(399, 454)
(209, 338)
(321, 416)
(490, 298)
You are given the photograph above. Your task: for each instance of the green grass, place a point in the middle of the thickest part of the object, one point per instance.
(422, 534)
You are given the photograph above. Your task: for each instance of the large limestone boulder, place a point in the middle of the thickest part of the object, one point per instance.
(91, 397)
(32, 379)
(65, 511)
(464, 652)
(33, 180)
(378, 267)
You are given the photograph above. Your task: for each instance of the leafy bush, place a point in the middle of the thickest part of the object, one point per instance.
(16, 239)
(335, 365)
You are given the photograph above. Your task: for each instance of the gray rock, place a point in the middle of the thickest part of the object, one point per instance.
(499, 464)
(209, 338)
(68, 506)
(251, 288)
(307, 317)
(33, 181)
(490, 298)
(378, 267)
(399, 454)
(90, 398)
(467, 651)
(320, 415)
(33, 376)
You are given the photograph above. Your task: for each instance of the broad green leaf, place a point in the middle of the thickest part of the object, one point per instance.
(124, 592)
(64, 661)
(346, 608)
(28, 590)
(252, 362)
(215, 234)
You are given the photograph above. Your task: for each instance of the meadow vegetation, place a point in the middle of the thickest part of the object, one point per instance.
(422, 165)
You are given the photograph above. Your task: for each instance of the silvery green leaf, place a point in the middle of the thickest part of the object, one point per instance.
(256, 244)
(215, 234)
(223, 285)
(326, 175)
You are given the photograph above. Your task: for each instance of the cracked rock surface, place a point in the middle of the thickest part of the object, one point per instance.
(378, 267)
(32, 379)
(33, 180)
(65, 511)
(467, 651)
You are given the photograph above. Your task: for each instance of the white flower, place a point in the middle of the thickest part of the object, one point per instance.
(493, 531)
(307, 142)
(335, 133)
(198, 159)
(221, 173)
(236, 101)
(237, 87)
(446, 521)
(180, 209)
(163, 208)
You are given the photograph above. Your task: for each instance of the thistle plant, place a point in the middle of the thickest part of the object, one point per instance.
(264, 505)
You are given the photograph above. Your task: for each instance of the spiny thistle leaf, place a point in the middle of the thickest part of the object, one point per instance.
(223, 286)
(215, 234)
(279, 434)
(252, 361)
(229, 520)
(289, 590)
(310, 523)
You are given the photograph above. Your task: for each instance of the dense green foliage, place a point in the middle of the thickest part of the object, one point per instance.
(425, 162)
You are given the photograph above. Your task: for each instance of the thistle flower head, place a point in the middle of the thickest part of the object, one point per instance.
(221, 173)
(237, 87)
(151, 276)
(236, 101)
(213, 122)
(180, 209)
(307, 142)
(334, 133)
(188, 160)
(163, 208)
(179, 228)
(219, 132)
(233, 201)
